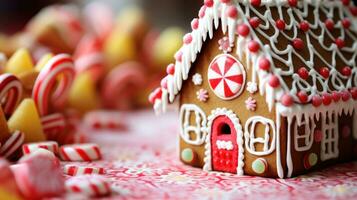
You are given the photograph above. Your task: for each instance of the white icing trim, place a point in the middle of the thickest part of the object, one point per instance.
(330, 137)
(200, 127)
(307, 136)
(279, 167)
(354, 125)
(227, 145)
(235, 120)
(250, 139)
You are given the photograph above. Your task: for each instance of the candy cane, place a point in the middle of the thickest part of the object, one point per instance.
(61, 64)
(10, 92)
(53, 123)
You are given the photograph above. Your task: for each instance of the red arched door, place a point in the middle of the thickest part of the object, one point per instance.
(224, 147)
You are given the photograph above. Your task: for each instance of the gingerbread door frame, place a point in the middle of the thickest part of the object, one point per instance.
(238, 127)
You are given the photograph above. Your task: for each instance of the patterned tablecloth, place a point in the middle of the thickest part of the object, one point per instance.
(142, 163)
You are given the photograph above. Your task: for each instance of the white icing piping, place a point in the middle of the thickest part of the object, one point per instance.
(226, 145)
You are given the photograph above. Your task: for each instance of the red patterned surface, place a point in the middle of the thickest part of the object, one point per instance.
(142, 163)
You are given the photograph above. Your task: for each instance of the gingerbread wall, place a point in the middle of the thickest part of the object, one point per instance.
(188, 96)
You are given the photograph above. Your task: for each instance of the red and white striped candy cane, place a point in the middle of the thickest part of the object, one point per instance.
(12, 144)
(80, 152)
(53, 124)
(46, 82)
(29, 148)
(10, 92)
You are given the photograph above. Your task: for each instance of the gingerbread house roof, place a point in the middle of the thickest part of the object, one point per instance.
(301, 52)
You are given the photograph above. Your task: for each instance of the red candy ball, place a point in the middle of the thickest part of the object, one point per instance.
(163, 83)
(345, 96)
(255, 3)
(170, 69)
(346, 2)
(293, 3)
(225, 1)
(302, 96)
(208, 3)
(194, 24)
(287, 100)
(346, 23)
(202, 12)
(243, 30)
(336, 96)
(329, 24)
(325, 72)
(254, 22)
(232, 12)
(354, 93)
(340, 43)
(316, 100)
(280, 24)
(326, 99)
(253, 46)
(346, 71)
(304, 26)
(274, 81)
(298, 44)
(264, 64)
(303, 73)
(187, 39)
(353, 10)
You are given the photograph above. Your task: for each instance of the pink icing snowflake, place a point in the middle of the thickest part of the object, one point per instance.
(202, 95)
(225, 45)
(251, 104)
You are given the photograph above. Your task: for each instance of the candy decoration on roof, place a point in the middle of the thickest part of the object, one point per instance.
(47, 79)
(226, 77)
(10, 92)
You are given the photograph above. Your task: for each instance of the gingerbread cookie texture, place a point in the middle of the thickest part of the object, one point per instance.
(277, 92)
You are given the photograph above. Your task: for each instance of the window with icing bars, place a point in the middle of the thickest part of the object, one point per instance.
(193, 121)
(329, 143)
(267, 139)
(304, 134)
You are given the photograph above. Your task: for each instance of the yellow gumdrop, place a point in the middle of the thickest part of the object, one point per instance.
(26, 119)
(4, 194)
(43, 60)
(131, 19)
(82, 95)
(19, 62)
(169, 41)
(4, 130)
(119, 47)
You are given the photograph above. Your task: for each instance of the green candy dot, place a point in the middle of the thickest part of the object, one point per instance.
(259, 166)
(312, 159)
(187, 155)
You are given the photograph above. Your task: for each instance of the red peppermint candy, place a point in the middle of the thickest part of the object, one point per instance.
(226, 77)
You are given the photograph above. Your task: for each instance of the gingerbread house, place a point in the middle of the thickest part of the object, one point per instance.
(266, 87)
